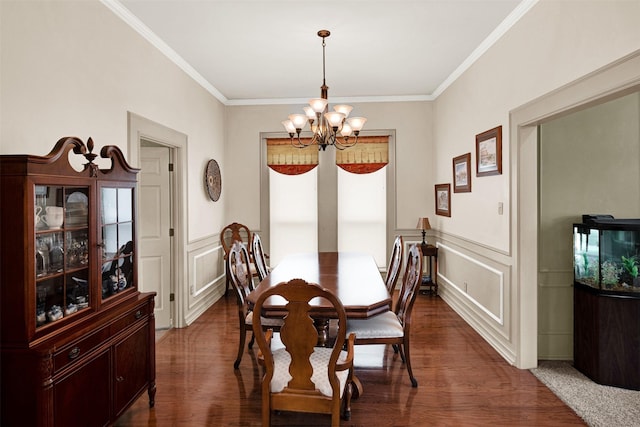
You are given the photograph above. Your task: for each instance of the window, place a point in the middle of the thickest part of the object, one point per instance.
(362, 213)
(293, 204)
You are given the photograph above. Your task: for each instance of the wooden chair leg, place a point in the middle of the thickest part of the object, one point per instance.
(405, 349)
(346, 410)
(243, 337)
(251, 341)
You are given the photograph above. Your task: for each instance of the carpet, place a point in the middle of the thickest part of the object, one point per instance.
(597, 405)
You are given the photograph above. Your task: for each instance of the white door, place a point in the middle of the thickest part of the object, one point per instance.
(155, 261)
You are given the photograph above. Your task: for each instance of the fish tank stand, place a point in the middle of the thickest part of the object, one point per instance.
(606, 298)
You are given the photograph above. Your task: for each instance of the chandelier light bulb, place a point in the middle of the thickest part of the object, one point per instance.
(298, 120)
(346, 130)
(344, 109)
(334, 118)
(310, 113)
(357, 123)
(288, 125)
(318, 104)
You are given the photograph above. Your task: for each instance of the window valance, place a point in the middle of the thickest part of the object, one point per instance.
(369, 155)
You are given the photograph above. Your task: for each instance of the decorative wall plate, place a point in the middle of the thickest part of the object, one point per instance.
(213, 180)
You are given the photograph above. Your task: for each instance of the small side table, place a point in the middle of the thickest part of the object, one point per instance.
(430, 271)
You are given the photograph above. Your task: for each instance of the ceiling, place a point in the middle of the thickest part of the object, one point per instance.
(264, 52)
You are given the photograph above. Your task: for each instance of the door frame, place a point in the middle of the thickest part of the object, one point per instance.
(140, 128)
(611, 81)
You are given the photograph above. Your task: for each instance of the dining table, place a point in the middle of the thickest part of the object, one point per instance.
(353, 277)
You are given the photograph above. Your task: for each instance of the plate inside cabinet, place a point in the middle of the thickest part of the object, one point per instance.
(213, 180)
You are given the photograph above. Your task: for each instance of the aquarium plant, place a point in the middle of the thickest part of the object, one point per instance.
(630, 268)
(630, 265)
(610, 273)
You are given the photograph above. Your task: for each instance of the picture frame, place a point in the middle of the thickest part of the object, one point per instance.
(462, 173)
(443, 199)
(489, 152)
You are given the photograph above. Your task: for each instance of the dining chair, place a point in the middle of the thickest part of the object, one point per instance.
(259, 257)
(301, 377)
(242, 283)
(229, 234)
(393, 327)
(395, 262)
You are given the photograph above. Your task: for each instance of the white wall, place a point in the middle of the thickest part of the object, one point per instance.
(554, 44)
(75, 68)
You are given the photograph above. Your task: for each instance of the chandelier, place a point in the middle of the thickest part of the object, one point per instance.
(325, 125)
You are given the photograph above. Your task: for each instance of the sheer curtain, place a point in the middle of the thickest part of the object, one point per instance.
(362, 213)
(293, 203)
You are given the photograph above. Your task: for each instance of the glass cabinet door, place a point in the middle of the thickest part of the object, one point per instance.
(117, 227)
(61, 220)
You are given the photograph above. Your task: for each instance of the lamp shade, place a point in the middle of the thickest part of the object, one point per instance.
(423, 224)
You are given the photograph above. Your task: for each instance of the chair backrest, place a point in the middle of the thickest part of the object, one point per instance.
(259, 257)
(234, 232)
(410, 286)
(395, 262)
(299, 336)
(238, 265)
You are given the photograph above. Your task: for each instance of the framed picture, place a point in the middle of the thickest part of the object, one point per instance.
(443, 199)
(489, 152)
(462, 173)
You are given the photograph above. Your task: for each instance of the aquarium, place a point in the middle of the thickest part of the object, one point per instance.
(606, 253)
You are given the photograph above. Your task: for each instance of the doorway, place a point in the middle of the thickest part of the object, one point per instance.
(160, 153)
(615, 80)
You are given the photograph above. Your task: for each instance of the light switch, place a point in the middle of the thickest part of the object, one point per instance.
(499, 208)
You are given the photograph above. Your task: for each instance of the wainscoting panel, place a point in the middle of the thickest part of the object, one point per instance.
(482, 284)
(476, 282)
(205, 261)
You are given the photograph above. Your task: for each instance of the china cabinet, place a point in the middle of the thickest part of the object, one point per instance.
(77, 336)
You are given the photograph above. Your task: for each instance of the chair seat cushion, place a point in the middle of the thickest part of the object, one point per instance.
(265, 321)
(385, 325)
(319, 361)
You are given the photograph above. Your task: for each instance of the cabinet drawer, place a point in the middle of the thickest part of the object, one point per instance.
(77, 349)
(130, 318)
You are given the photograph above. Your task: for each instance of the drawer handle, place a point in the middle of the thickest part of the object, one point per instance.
(119, 379)
(138, 314)
(75, 352)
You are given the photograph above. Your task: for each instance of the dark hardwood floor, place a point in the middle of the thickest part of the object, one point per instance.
(462, 380)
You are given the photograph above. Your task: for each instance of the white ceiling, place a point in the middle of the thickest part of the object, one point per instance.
(262, 51)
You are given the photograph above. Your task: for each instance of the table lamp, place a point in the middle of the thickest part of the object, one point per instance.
(423, 224)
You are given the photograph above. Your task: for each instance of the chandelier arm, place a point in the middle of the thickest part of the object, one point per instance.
(344, 144)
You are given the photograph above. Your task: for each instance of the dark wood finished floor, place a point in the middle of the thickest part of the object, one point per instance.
(462, 380)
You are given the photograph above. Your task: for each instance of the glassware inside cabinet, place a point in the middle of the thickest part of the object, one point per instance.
(76, 207)
(49, 253)
(48, 207)
(77, 249)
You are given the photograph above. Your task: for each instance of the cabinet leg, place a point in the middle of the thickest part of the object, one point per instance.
(152, 394)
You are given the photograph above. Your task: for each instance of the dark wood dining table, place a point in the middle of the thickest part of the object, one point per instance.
(352, 276)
